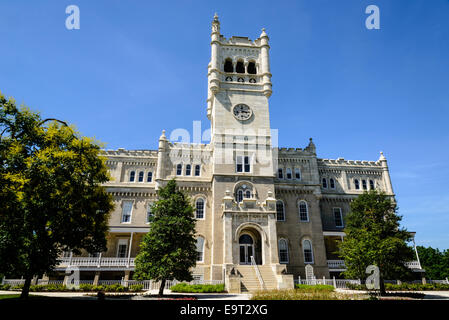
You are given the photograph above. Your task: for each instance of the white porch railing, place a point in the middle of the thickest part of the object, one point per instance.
(340, 264)
(96, 262)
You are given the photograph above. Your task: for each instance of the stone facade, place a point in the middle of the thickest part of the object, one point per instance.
(290, 202)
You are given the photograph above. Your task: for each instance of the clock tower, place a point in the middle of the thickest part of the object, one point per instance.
(239, 87)
(243, 165)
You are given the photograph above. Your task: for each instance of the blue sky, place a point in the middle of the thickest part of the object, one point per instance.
(137, 67)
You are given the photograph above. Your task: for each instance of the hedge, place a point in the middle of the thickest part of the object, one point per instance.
(406, 287)
(198, 288)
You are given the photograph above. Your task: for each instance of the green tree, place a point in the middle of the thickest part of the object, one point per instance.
(168, 250)
(374, 237)
(51, 198)
(434, 261)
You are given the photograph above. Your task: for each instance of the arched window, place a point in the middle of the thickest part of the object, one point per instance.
(188, 169)
(332, 183)
(199, 205)
(280, 173)
(248, 194)
(283, 251)
(179, 169)
(289, 173)
(308, 252)
(280, 212)
(141, 174)
(200, 249)
(252, 67)
(197, 170)
(364, 186)
(297, 174)
(371, 185)
(132, 176)
(356, 184)
(240, 196)
(150, 176)
(303, 211)
(324, 182)
(228, 67)
(240, 68)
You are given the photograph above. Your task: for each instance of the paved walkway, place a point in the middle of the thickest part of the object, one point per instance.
(167, 293)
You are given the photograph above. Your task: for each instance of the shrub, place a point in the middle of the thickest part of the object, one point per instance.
(136, 287)
(5, 286)
(115, 288)
(197, 288)
(17, 287)
(318, 287)
(405, 287)
(86, 287)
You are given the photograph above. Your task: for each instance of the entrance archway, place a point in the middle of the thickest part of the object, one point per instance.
(250, 244)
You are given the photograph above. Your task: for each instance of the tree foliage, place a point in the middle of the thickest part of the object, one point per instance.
(374, 237)
(434, 261)
(51, 198)
(168, 250)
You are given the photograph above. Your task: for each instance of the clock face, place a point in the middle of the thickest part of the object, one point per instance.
(242, 111)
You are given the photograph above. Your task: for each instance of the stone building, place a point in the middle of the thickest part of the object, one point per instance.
(256, 204)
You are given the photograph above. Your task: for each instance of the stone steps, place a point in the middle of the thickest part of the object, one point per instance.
(250, 282)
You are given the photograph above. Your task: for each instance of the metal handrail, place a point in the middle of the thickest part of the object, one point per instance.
(259, 276)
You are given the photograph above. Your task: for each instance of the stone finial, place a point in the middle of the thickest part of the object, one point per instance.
(311, 147)
(263, 34)
(382, 157)
(215, 24)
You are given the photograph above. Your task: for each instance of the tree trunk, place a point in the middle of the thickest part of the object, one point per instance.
(382, 285)
(26, 287)
(161, 288)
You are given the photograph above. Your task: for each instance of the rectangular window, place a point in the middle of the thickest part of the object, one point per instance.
(297, 174)
(280, 173)
(122, 248)
(239, 164)
(289, 173)
(149, 213)
(247, 164)
(338, 217)
(197, 170)
(127, 208)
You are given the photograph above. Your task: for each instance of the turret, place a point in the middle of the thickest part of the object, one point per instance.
(386, 173)
(161, 159)
(265, 60)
